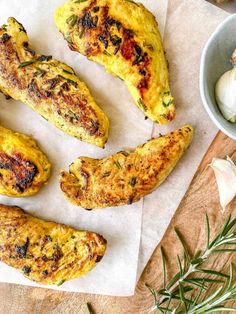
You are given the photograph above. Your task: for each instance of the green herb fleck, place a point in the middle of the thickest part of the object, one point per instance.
(131, 1)
(72, 20)
(106, 174)
(68, 39)
(142, 104)
(147, 45)
(106, 53)
(118, 165)
(75, 84)
(4, 26)
(80, 1)
(82, 33)
(39, 72)
(124, 153)
(167, 104)
(74, 116)
(44, 118)
(67, 72)
(61, 282)
(26, 63)
(133, 181)
(120, 78)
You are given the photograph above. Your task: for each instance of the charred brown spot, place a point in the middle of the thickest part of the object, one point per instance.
(103, 40)
(98, 258)
(87, 21)
(86, 176)
(130, 200)
(65, 86)
(110, 21)
(53, 82)
(101, 239)
(95, 127)
(45, 272)
(26, 270)
(96, 9)
(28, 49)
(36, 92)
(5, 37)
(44, 58)
(57, 255)
(23, 171)
(21, 250)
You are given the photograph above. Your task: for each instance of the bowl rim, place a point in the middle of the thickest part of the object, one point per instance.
(201, 77)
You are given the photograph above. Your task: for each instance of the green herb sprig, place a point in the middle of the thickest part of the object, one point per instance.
(186, 292)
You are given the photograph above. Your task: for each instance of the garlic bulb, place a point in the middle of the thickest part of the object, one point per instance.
(226, 92)
(225, 173)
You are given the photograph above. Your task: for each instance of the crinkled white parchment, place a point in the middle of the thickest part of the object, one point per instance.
(121, 226)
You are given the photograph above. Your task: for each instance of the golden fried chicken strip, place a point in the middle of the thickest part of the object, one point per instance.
(123, 178)
(46, 252)
(49, 87)
(24, 168)
(123, 36)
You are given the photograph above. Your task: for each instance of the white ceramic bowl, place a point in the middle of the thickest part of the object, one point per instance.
(215, 61)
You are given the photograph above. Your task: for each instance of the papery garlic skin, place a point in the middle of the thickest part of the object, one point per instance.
(225, 173)
(226, 95)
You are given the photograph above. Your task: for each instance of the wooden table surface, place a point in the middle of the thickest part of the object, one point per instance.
(201, 196)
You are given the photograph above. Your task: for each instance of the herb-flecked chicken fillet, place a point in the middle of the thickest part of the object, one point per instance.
(123, 178)
(46, 252)
(49, 87)
(123, 36)
(24, 168)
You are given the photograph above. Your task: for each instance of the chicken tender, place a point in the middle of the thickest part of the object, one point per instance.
(49, 87)
(24, 168)
(124, 178)
(123, 36)
(47, 252)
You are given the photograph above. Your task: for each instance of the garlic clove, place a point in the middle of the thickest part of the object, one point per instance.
(225, 94)
(225, 173)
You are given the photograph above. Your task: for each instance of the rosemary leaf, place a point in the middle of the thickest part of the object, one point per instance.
(163, 266)
(142, 104)
(67, 72)
(72, 20)
(208, 230)
(118, 165)
(131, 1)
(26, 63)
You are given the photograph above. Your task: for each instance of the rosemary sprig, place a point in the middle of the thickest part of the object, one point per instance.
(177, 295)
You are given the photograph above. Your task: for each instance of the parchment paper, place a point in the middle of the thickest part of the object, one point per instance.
(188, 27)
(116, 273)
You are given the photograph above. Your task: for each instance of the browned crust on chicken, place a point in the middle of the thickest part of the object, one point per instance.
(124, 178)
(46, 252)
(49, 87)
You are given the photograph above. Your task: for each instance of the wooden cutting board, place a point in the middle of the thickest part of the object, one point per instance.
(201, 197)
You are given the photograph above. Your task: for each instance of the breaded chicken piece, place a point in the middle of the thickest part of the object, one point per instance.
(46, 252)
(123, 36)
(24, 168)
(49, 87)
(123, 178)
